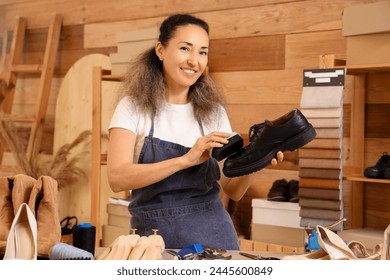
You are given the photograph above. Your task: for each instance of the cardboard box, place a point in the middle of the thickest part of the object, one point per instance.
(110, 233)
(117, 209)
(118, 215)
(286, 236)
(366, 19)
(368, 49)
(285, 214)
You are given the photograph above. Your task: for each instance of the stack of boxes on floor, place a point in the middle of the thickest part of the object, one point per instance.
(118, 220)
(320, 161)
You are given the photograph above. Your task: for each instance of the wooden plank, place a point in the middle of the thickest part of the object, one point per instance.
(261, 87)
(377, 118)
(91, 11)
(247, 53)
(68, 57)
(293, 17)
(245, 245)
(242, 117)
(378, 85)
(73, 116)
(303, 50)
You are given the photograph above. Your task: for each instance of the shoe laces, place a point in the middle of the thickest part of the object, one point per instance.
(255, 130)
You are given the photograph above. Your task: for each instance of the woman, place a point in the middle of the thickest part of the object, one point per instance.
(161, 135)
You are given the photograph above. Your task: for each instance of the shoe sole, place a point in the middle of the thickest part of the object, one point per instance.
(296, 142)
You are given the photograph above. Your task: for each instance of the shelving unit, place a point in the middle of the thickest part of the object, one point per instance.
(355, 172)
(98, 159)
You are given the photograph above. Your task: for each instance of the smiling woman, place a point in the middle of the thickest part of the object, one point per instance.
(160, 138)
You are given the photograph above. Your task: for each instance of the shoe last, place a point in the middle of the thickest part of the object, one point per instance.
(22, 239)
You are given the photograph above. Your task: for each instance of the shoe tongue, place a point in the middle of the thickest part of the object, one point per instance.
(269, 123)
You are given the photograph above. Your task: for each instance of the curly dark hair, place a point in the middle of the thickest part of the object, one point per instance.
(144, 81)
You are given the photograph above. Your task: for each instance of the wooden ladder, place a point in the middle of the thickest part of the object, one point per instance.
(45, 70)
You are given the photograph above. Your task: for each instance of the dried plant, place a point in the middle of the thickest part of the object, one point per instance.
(63, 166)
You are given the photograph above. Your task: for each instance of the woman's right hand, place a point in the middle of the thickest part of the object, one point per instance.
(200, 152)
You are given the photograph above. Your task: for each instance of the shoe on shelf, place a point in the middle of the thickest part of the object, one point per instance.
(377, 171)
(386, 173)
(293, 188)
(287, 133)
(279, 191)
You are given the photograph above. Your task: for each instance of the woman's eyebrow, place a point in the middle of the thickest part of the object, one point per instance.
(190, 44)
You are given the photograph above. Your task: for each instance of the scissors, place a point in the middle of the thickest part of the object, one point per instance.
(257, 257)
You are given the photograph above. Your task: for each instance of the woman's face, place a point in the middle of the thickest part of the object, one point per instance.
(185, 57)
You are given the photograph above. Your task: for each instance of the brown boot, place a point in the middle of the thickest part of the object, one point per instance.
(43, 202)
(6, 211)
(21, 190)
(14, 190)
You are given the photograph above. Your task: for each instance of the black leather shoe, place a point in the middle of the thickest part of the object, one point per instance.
(378, 170)
(289, 132)
(293, 189)
(279, 191)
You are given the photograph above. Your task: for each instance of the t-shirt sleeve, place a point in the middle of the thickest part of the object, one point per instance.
(124, 116)
(221, 123)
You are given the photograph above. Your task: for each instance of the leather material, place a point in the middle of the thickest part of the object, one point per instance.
(289, 132)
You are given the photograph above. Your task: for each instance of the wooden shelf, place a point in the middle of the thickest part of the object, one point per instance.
(361, 69)
(359, 178)
(115, 78)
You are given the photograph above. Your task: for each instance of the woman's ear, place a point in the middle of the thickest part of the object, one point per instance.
(159, 50)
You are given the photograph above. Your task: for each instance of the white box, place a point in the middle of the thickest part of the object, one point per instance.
(285, 214)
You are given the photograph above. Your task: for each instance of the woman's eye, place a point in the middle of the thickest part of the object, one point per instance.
(205, 53)
(185, 49)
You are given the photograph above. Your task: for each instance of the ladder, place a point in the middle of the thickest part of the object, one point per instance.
(45, 71)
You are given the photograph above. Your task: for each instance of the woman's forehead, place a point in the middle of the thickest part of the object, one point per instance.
(192, 34)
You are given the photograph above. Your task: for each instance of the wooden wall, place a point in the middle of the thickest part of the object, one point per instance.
(259, 49)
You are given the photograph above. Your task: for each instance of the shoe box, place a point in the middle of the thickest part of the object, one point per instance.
(118, 215)
(276, 222)
(277, 213)
(279, 235)
(118, 222)
(365, 34)
(110, 233)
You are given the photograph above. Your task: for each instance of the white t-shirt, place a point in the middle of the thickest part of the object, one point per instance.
(175, 123)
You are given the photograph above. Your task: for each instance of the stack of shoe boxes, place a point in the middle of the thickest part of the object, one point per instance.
(118, 220)
(320, 161)
(367, 28)
(275, 222)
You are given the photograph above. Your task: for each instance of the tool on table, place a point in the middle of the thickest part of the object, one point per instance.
(257, 257)
(197, 252)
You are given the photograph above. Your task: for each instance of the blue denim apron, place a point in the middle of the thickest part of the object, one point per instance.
(185, 207)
